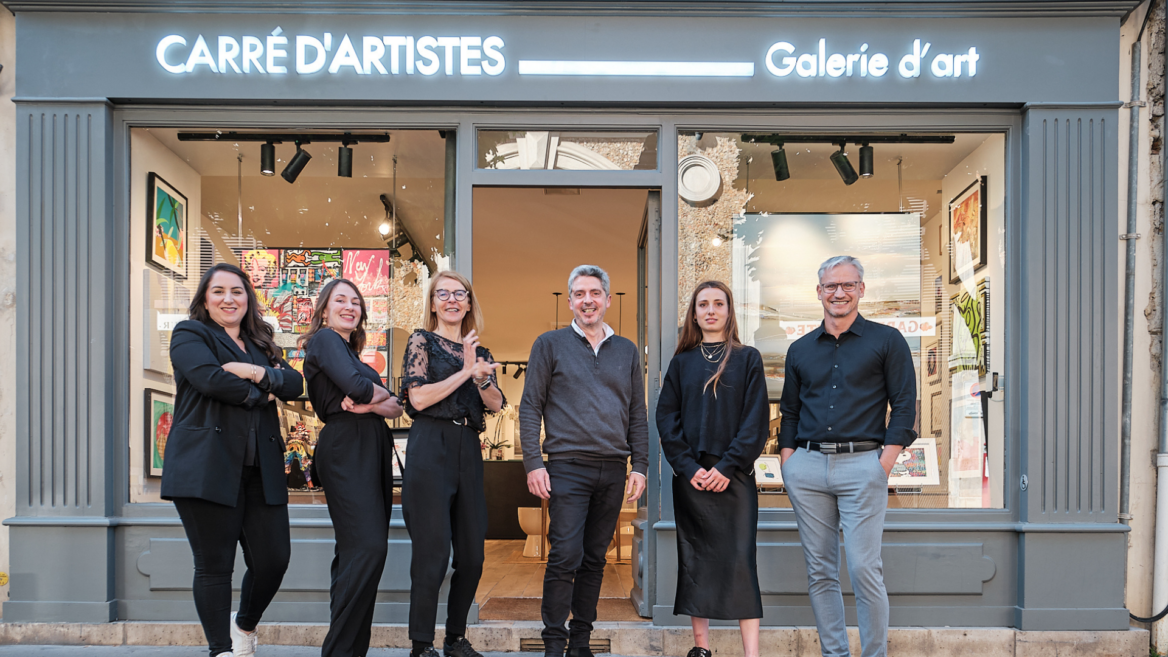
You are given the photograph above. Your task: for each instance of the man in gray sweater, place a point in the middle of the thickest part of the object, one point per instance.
(585, 385)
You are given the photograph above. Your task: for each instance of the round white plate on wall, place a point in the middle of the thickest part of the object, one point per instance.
(698, 180)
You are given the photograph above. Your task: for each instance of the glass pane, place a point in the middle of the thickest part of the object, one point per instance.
(383, 228)
(578, 151)
(928, 225)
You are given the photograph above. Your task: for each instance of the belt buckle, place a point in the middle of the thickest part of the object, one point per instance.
(829, 448)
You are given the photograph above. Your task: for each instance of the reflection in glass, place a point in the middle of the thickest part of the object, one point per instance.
(578, 151)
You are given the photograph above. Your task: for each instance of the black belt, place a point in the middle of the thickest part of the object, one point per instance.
(841, 447)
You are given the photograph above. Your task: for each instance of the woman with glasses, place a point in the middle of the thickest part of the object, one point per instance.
(448, 385)
(353, 461)
(713, 418)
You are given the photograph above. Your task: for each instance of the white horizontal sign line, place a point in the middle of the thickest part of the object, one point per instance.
(654, 69)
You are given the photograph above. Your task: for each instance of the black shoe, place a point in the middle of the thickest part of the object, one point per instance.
(460, 648)
(580, 652)
(430, 651)
(698, 652)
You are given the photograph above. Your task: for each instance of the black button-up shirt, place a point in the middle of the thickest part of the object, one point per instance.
(839, 390)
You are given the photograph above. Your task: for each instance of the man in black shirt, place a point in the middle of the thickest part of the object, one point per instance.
(837, 451)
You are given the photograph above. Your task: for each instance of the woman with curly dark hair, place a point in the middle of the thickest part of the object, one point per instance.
(225, 455)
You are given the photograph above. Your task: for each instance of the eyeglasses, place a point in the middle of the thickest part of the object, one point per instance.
(849, 286)
(443, 295)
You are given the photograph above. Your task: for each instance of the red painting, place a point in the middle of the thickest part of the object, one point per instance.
(369, 270)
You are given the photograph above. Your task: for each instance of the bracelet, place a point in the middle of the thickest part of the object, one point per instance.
(486, 383)
(254, 369)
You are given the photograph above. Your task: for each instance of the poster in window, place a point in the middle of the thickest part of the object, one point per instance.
(775, 260)
(916, 465)
(369, 270)
(970, 348)
(165, 303)
(968, 231)
(262, 266)
(159, 418)
(166, 224)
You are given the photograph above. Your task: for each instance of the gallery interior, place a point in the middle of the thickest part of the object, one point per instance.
(924, 213)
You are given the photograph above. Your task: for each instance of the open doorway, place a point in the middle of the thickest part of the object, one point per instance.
(526, 242)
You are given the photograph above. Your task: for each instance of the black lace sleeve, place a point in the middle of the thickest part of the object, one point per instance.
(415, 364)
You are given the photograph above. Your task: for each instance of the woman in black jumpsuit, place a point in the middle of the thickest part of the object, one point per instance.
(448, 384)
(353, 461)
(713, 418)
(224, 456)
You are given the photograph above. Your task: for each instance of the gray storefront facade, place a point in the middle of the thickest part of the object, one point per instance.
(1051, 556)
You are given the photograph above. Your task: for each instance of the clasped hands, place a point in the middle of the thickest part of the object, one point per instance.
(248, 371)
(710, 480)
(478, 368)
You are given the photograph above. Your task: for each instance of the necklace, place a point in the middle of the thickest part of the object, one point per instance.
(714, 353)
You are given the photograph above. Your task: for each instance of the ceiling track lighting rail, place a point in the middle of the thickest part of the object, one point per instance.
(840, 158)
(301, 158)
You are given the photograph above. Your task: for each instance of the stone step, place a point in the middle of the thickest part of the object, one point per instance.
(632, 639)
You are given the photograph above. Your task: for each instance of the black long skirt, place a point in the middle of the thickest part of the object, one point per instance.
(717, 570)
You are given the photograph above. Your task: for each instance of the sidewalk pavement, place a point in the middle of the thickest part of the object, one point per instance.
(191, 651)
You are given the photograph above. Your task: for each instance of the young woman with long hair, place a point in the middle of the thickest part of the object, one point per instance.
(353, 460)
(713, 418)
(225, 455)
(448, 384)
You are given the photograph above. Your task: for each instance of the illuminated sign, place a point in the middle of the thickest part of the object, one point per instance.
(305, 54)
(909, 327)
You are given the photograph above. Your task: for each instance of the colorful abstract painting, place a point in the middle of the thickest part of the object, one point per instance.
(166, 223)
(159, 418)
(967, 231)
(368, 269)
(304, 307)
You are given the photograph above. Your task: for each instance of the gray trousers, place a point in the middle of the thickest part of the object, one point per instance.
(848, 492)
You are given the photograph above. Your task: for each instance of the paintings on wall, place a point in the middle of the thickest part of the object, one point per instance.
(165, 303)
(936, 414)
(916, 465)
(368, 269)
(968, 231)
(775, 284)
(970, 348)
(159, 419)
(166, 225)
(768, 472)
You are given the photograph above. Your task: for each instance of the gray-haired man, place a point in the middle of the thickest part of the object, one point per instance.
(837, 451)
(584, 384)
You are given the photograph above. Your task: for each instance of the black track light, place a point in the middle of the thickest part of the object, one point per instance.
(519, 371)
(866, 155)
(779, 158)
(843, 166)
(296, 164)
(345, 161)
(268, 159)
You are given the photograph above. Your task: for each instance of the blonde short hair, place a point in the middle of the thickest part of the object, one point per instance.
(473, 321)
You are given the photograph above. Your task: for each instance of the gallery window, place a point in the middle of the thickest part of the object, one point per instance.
(925, 215)
(365, 205)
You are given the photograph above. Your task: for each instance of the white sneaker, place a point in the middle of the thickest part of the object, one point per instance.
(243, 644)
(224, 654)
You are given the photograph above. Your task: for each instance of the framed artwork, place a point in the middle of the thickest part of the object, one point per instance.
(970, 346)
(938, 295)
(768, 472)
(937, 414)
(166, 226)
(164, 304)
(368, 269)
(159, 418)
(262, 266)
(917, 465)
(968, 231)
(400, 445)
(931, 361)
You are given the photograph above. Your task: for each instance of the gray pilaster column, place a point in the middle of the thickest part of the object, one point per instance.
(1072, 551)
(61, 540)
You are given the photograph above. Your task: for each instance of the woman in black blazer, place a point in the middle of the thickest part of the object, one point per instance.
(225, 455)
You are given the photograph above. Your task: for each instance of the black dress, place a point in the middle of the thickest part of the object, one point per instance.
(717, 571)
(442, 487)
(353, 461)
